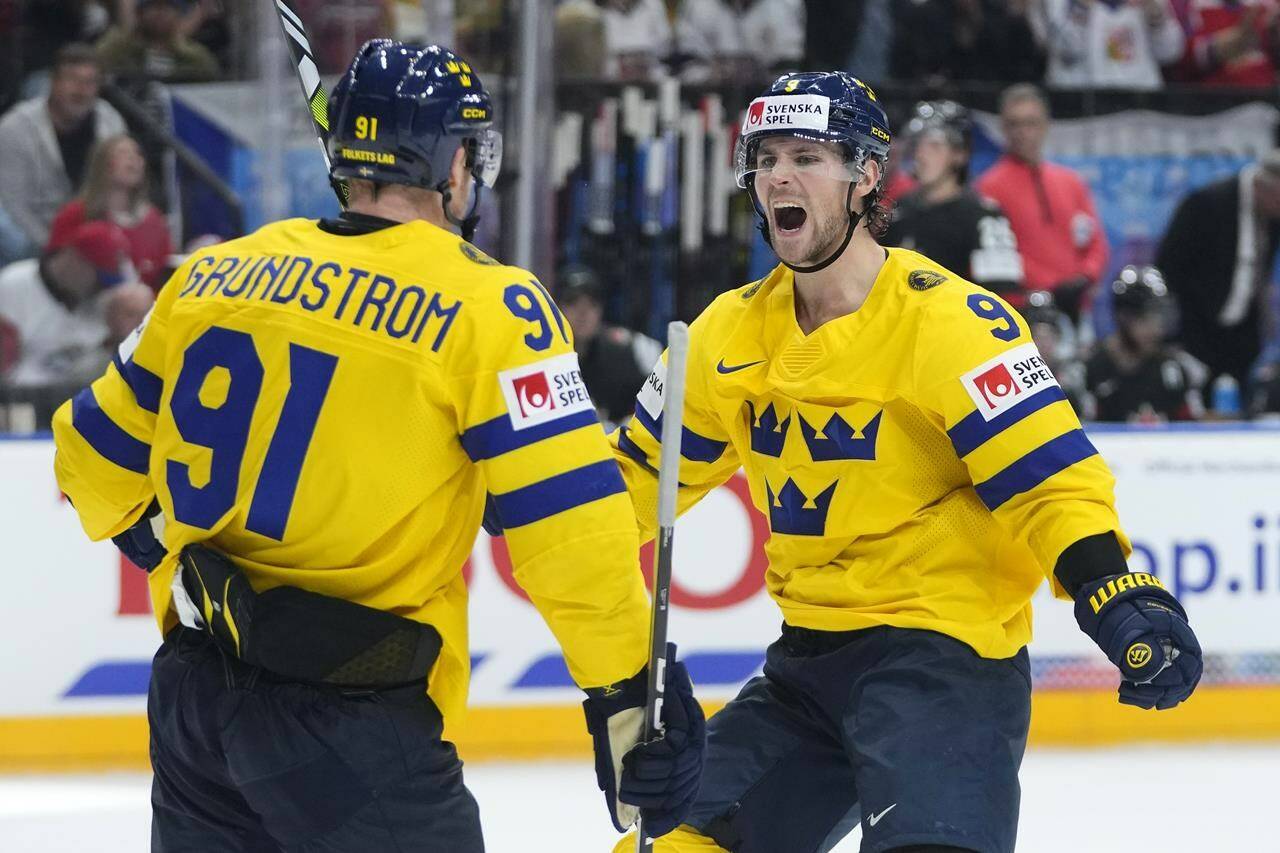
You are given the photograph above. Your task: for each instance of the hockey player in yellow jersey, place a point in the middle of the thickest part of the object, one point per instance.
(316, 412)
(922, 474)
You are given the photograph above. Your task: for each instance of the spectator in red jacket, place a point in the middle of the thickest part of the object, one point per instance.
(1059, 235)
(1230, 42)
(115, 190)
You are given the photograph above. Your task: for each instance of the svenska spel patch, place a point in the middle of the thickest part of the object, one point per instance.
(544, 391)
(787, 112)
(651, 393)
(996, 386)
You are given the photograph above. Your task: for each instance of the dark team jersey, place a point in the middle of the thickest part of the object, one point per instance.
(967, 234)
(1165, 386)
(614, 364)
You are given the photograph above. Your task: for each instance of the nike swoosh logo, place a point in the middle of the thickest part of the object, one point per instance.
(725, 368)
(875, 818)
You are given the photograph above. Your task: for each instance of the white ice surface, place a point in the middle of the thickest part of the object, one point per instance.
(1170, 799)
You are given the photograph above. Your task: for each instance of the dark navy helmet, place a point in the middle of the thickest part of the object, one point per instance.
(1140, 289)
(401, 112)
(945, 117)
(827, 106)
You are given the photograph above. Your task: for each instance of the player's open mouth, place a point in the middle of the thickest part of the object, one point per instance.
(789, 217)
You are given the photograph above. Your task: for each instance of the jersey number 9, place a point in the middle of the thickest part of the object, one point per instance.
(990, 309)
(522, 302)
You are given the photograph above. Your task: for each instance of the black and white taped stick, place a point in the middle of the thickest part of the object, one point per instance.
(668, 482)
(304, 63)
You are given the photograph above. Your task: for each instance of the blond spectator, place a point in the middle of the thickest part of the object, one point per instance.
(115, 190)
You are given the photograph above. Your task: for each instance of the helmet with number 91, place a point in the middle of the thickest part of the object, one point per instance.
(401, 112)
(823, 106)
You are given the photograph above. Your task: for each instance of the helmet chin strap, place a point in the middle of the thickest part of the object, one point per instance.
(854, 219)
(467, 224)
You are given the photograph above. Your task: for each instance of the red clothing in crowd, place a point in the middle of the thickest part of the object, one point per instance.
(1053, 219)
(149, 241)
(1204, 19)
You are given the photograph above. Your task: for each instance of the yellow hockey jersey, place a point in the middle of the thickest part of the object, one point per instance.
(917, 461)
(329, 411)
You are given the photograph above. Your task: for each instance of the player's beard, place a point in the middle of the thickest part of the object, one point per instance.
(828, 234)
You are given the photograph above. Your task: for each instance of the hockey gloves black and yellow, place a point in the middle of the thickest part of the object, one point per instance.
(659, 778)
(1143, 629)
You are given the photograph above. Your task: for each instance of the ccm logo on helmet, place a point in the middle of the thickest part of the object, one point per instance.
(1006, 380)
(475, 112)
(787, 112)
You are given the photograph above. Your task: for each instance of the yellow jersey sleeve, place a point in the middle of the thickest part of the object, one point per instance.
(103, 434)
(978, 373)
(707, 457)
(529, 425)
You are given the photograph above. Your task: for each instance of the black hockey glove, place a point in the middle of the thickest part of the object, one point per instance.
(1143, 629)
(142, 543)
(659, 778)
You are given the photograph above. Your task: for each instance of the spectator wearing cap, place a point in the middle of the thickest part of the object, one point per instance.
(156, 48)
(58, 305)
(727, 40)
(614, 361)
(1135, 374)
(1049, 206)
(115, 190)
(46, 142)
(1219, 258)
(1114, 44)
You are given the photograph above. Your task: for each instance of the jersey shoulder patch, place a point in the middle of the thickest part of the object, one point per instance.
(474, 255)
(544, 391)
(924, 279)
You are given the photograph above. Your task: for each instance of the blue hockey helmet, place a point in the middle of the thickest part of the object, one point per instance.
(401, 112)
(824, 106)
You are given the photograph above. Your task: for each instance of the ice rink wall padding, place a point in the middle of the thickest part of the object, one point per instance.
(1202, 505)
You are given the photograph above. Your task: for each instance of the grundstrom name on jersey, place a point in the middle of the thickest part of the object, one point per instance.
(544, 391)
(998, 385)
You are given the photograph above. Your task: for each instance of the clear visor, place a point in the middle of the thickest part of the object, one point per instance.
(795, 155)
(488, 157)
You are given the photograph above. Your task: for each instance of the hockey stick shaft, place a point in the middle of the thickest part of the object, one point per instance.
(304, 63)
(668, 483)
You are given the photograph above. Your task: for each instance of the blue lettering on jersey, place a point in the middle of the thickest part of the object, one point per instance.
(385, 305)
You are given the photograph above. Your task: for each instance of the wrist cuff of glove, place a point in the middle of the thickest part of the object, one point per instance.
(1101, 596)
(629, 693)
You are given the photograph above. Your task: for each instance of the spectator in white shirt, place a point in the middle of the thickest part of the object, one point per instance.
(70, 305)
(637, 37)
(739, 39)
(1107, 43)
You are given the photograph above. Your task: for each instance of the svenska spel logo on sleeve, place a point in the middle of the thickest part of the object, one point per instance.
(544, 391)
(999, 384)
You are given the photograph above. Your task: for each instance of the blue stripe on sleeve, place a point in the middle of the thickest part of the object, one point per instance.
(628, 445)
(973, 431)
(1035, 467)
(694, 447)
(105, 435)
(145, 385)
(557, 494)
(496, 437)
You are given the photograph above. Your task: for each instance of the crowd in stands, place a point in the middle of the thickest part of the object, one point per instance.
(84, 243)
(1125, 44)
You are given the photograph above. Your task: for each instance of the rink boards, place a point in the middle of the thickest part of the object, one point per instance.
(1202, 505)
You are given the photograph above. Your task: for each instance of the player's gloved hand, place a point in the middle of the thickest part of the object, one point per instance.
(1143, 629)
(657, 778)
(143, 543)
